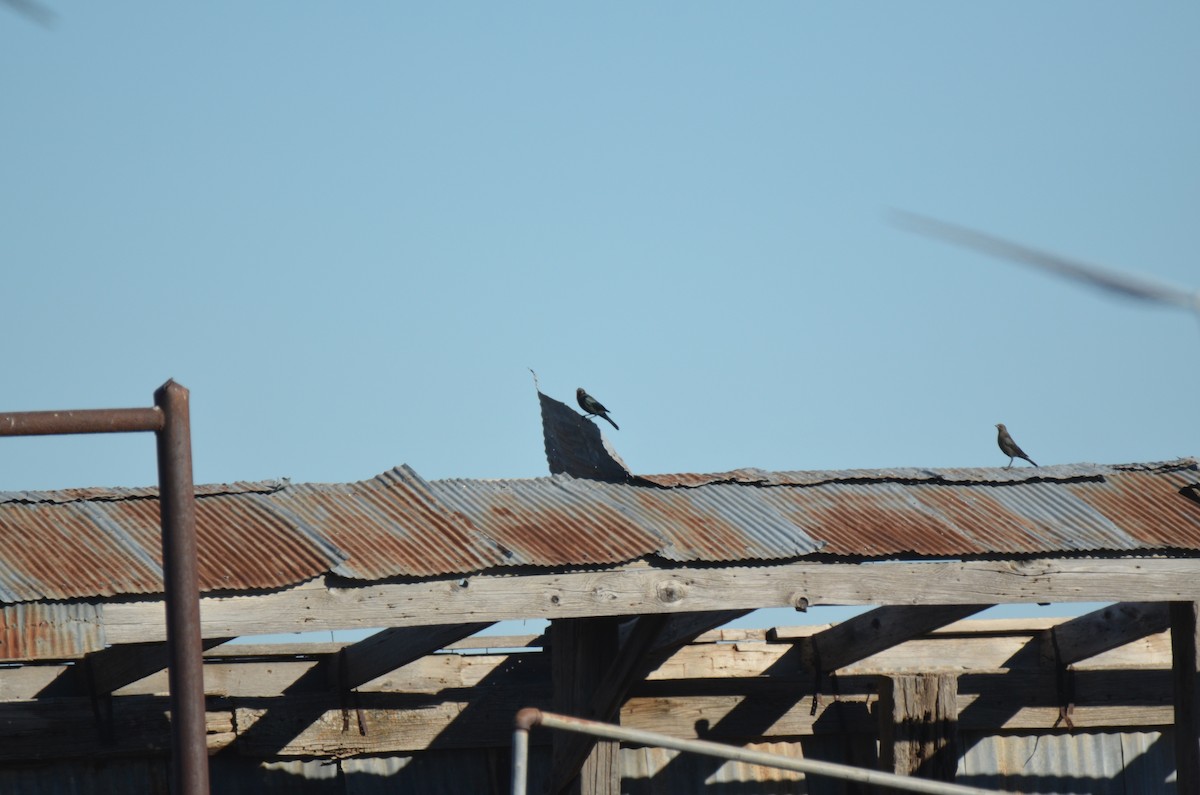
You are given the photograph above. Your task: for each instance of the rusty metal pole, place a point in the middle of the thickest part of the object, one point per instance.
(177, 501)
(171, 422)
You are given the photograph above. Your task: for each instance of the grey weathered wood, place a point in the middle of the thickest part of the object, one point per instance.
(1185, 652)
(642, 589)
(468, 700)
(1105, 629)
(581, 653)
(918, 732)
(608, 695)
(870, 633)
(680, 630)
(105, 671)
(391, 648)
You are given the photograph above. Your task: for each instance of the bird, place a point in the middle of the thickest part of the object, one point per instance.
(1009, 447)
(593, 407)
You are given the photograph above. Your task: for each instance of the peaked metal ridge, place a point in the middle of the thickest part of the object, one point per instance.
(949, 475)
(119, 493)
(88, 543)
(98, 542)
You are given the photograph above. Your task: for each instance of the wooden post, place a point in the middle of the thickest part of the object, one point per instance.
(918, 725)
(581, 652)
(1185, 657)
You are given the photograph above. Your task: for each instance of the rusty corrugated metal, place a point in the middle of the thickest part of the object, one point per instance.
(388, 526)
(56, 629)
(90, 542)
(558, 521)
(85, 543)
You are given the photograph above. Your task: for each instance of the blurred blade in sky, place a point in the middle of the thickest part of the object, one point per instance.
(1125, 284)
(33, 10)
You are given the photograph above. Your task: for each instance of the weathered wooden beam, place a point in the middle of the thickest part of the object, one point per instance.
(392, 648)
(581, 652)
(882, 628)
(340, 674)
(1185, 652)
(918, 732)
(1102, 630)
(680, 630)
(642, 589)
(100, 673)
(606, 699)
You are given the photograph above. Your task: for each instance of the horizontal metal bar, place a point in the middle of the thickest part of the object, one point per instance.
(52, 423)
(531, 717)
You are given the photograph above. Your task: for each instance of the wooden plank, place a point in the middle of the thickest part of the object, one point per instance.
(918, 732)
(581, 652)
(870, 633)
(1103, 630)
(608, 695)
(315, 724)
(647, 590)
(680, 630)
(246, 671)
(341, 673)
(66, 728)
(1185, 649)
(397, 646)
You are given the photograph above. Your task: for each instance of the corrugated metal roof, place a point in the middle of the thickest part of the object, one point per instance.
(49, 630)
(104, 542)
(557, 521)
(93, 542)
(388, 526)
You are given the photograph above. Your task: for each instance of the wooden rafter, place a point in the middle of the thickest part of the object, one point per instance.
(641, 590)
(872, 632)
(1103, 630)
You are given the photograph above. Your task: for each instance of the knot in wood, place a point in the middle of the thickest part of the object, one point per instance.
(670, 591)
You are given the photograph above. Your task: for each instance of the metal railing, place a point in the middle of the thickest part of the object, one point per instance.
(530, 717)
(170, 420)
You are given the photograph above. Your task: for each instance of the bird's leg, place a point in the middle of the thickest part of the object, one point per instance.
(1010, 463)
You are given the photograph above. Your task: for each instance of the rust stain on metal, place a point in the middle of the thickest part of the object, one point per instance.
(48, 631)
(550, 522)
(880, 521)
(87, 543)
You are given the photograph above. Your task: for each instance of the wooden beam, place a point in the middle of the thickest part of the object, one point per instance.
(581, 652)
(882, 628)
(103, 672)
(680, 630)
(918, 733)
(340, 674)
(1102, 630)
(642, 589)
(400, 724)
(606, 699)
(1185, 652)
(391, 648)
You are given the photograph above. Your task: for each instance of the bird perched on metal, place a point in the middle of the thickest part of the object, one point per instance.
(593, 407)
(1009, 447)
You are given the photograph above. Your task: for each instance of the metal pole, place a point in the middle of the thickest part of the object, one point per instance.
(520, 759)
(170, 420)
(52, 423)
(530, 717)
(177, 501)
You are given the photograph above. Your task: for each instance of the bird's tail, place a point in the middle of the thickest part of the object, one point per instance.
(610, 422)
(1030, 460)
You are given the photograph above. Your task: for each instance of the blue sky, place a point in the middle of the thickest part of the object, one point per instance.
(349, 229)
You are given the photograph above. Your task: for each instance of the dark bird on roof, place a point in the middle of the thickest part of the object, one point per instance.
(1009, 447)
(593, 407)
